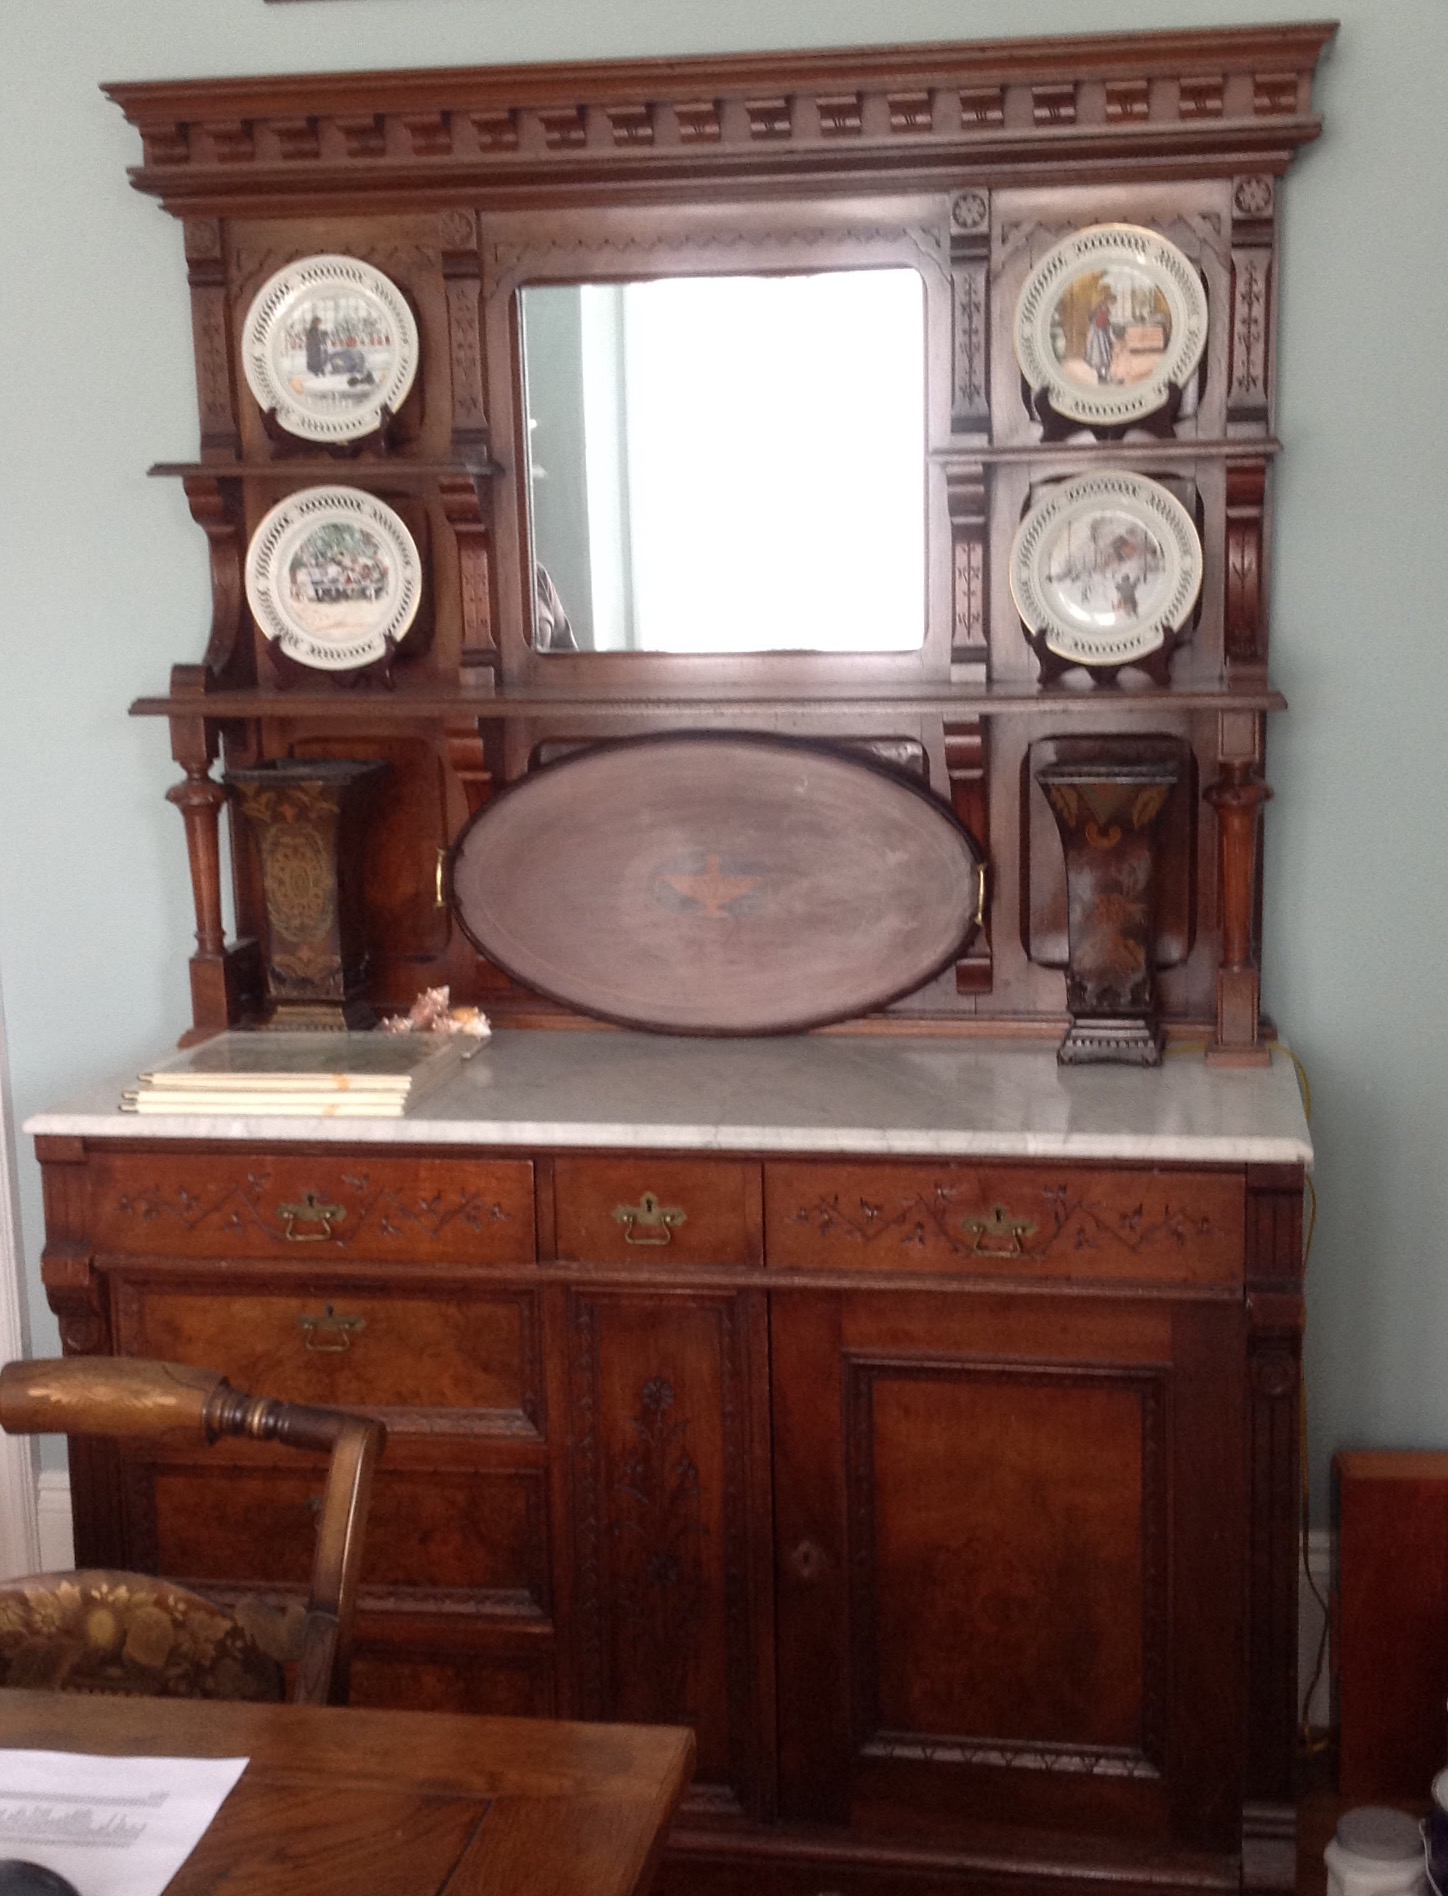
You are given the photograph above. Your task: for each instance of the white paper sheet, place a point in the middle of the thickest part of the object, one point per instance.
(114, 1826)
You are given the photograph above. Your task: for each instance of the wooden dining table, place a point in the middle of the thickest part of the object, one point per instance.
(337, 1801)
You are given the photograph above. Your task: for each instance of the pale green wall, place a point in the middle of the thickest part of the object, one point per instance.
(102, 577)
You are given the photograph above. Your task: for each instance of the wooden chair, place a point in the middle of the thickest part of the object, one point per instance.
(114, 1632)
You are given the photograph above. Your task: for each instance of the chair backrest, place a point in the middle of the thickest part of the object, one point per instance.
(94, 1395)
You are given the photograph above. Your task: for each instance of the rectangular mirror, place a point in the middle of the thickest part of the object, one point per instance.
(728, 464)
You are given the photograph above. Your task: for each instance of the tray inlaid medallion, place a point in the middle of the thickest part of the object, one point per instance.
(717, 885)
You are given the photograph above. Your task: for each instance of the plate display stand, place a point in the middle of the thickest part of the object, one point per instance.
(381, 441)
(1159, 425)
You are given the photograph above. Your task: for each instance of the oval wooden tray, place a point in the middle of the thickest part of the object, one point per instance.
(707, 884)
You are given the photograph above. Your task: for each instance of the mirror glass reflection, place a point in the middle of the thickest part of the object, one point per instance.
(728, 464)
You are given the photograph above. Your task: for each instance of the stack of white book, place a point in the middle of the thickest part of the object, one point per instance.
(302, 1075)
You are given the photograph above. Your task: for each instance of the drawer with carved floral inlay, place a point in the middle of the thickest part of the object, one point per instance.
(467, 1360)
(662, 1211)
(1176, 1227)
(309, 1209)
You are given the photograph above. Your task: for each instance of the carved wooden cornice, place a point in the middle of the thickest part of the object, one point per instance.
(1229, 100)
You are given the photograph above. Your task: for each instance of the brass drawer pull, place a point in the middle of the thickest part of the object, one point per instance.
(988, 1233)
(310, 1211)
(340, 1331)
(652, 1221)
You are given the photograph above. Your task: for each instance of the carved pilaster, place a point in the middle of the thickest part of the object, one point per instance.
(1237, 797)
(224, 981)
(467, 759)
(216, 508)
(1274, 1348)
(970, 298)
(965, 761)
(1244, 615)
(969, 538)
(1249, 398)
(462, 275)
(211, 338)
(467, 513)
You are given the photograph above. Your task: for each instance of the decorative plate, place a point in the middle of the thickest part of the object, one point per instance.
(1105, 567)
(1108, 321)
(332, 574)
(698, 883)
(328, 343)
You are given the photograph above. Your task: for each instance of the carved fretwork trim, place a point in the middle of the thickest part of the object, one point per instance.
(1075, 1224)
(1191, 95)
(377, 1210)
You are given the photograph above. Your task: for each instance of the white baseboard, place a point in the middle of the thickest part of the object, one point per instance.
(57, 1552)
(1317, 1710)
(57, 1539)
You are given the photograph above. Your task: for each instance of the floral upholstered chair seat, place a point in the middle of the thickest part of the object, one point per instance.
(97, 1631)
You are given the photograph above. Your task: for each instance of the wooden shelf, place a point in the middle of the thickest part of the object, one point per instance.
(1114, 453)
(378, 468)
(362, 706)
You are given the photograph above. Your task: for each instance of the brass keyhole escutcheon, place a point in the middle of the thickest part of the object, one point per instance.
(1000, 1235)
(329, 1334)
(649, 1222)
(311, 1210)
(807, 1561)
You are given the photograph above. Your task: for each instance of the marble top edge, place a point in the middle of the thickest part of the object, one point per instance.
(898, 1096)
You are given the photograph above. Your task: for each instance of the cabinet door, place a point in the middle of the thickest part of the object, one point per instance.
(672, 1585)
(1011, 1556)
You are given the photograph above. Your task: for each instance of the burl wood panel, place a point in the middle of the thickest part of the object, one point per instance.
(1390, 1650)
(1151, 1226)
(469, 1357)
(1008, 1540)
(311, 1209)
(642, 1210)
(455, 1676)
(717, 885)
(671, 1536)
(477, 1536)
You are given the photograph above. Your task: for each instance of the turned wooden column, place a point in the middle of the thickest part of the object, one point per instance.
(1237, 797)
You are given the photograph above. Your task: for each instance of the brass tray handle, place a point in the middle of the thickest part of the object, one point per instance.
(310, 1211)
(339, 1332)
(649, 1222)
(1000, 1235)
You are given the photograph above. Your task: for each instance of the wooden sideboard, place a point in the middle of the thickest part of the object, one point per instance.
(930, 1447)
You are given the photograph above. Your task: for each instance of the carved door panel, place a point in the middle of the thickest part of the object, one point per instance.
(1011, 1564)
(672, 1587)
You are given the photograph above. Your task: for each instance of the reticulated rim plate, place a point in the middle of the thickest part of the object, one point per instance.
(327, 344)
(332, 574)
(1107, 321)
(1105, 567)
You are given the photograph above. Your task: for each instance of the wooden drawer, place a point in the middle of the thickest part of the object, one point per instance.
(665, 1211)
(469, 1539)
(310, 1208)
(470, 1349)
(1007, 1220)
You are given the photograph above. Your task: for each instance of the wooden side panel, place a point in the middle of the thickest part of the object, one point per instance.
(671, 1526)
(1391, 1649)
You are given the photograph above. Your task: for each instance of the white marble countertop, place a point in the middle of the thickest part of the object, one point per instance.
(801, 1093)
